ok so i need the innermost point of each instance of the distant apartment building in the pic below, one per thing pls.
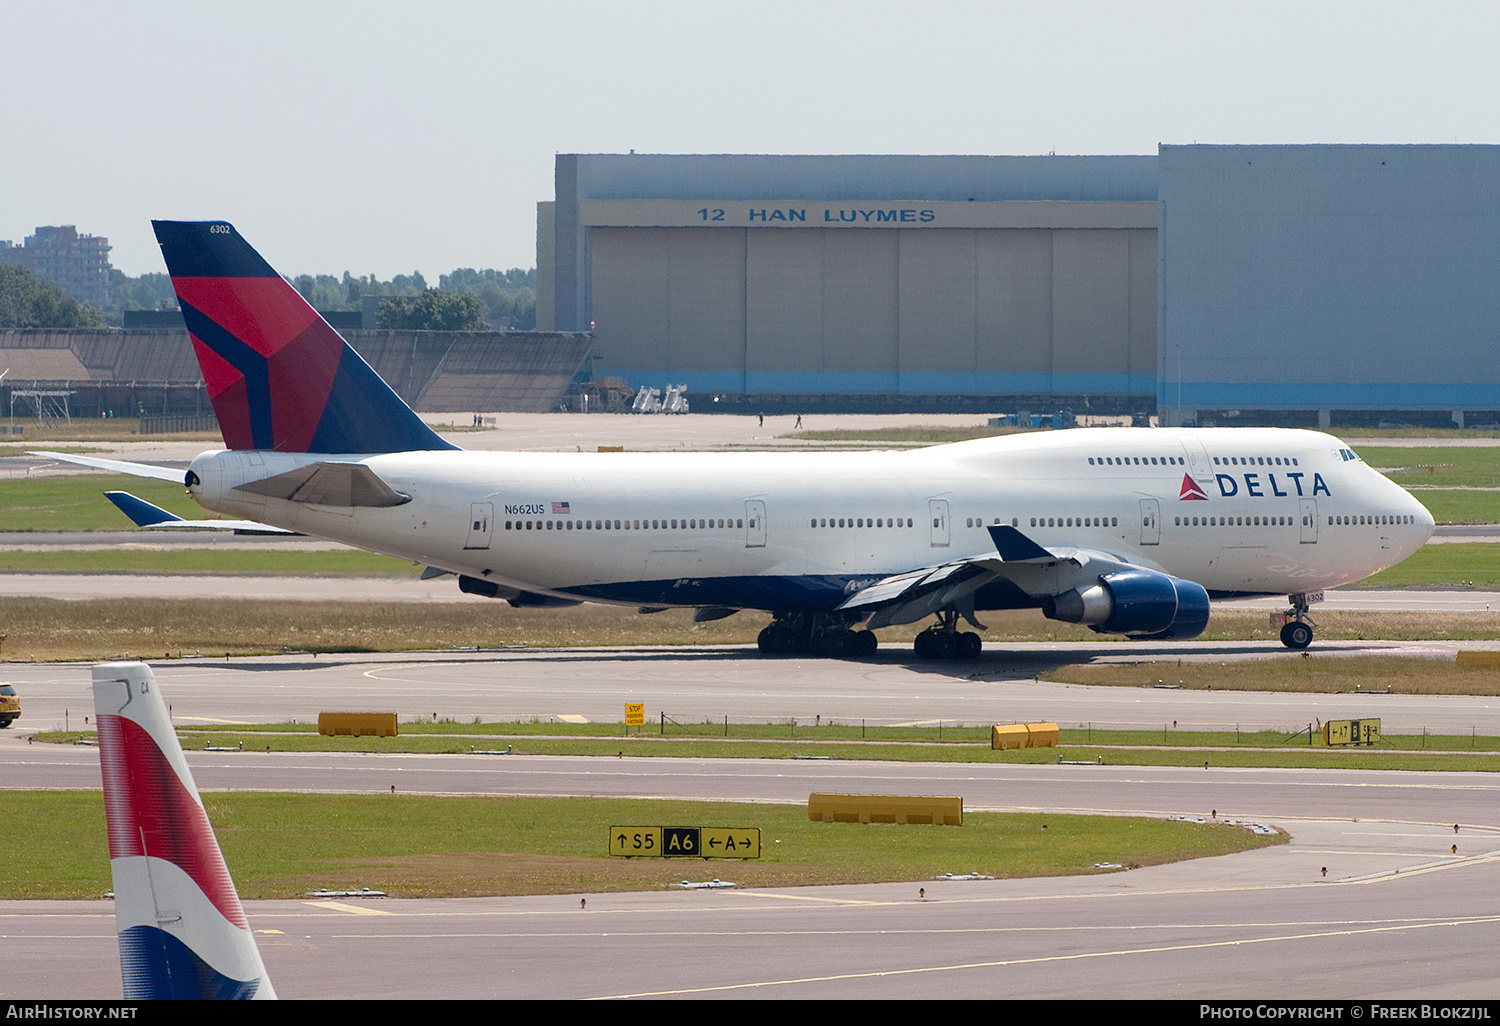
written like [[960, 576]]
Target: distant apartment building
[[77, 264]]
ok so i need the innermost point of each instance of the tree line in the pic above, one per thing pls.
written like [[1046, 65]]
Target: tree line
[[465, 300]]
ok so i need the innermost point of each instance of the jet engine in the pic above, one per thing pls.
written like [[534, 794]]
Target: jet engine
[[515, 596], [1139, 603]]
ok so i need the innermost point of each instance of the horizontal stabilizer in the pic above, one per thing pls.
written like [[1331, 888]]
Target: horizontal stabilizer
[[144, 514], [329, 484], [141, 512], [117, 466]]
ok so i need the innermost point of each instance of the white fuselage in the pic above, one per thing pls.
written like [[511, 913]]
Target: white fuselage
[[1238, 510]]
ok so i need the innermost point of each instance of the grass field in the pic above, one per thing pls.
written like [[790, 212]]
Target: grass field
[[1435, 466], [100, 629], [954, 744], [1460, 506], [282, 845], [1459, 564], [76, 502], [180, 559]]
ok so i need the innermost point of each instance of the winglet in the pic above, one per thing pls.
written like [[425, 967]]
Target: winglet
[[183, 934], [1015, 547], [141, 512]]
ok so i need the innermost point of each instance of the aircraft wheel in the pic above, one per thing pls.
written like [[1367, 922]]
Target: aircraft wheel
[[944, 645], [862, 644], [1296, 634], [832, 644], [775, 640], [969, 645], [923, 645]]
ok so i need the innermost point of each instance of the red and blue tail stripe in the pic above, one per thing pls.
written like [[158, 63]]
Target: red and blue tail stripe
[[183, 933], [279, 376]]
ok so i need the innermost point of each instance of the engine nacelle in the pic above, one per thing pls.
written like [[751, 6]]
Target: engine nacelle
[[1138, 603], [515, 596]]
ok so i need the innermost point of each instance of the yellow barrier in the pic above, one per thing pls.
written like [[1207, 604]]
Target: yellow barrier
[[1479, 659], [359, 724], [1042, 735], [1024, 735], [1003, 739], [885, 808]]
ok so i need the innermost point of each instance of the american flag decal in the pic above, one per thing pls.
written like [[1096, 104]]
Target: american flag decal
[[561, 507]]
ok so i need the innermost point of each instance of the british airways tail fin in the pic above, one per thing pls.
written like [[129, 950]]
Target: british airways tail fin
[[183, 934], [279, 376]]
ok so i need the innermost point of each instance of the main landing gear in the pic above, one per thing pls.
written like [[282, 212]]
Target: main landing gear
[[815, 634], [943, 640], [1298, 631]]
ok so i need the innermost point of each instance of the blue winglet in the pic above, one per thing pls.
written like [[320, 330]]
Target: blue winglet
[[139, 510], [1015, 547]]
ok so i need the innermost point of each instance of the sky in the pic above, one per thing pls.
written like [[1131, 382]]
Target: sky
[[381, 138]]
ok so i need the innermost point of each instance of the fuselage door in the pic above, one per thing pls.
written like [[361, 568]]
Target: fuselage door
[[755, 523], [481, 516], [942, 532], [1150, 522], [1309, 509]]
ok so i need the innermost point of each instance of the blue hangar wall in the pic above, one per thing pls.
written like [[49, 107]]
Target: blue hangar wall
[[1234, 278], [875, 275], [1329, 278]]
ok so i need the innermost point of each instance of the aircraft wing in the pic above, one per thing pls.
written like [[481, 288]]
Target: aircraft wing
[[1038, 571], [145, 514], [118, 466]]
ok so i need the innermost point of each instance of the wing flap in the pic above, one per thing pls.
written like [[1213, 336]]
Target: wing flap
[[911, 595]]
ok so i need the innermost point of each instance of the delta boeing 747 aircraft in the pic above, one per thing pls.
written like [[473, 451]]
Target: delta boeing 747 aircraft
[[1127, 531]]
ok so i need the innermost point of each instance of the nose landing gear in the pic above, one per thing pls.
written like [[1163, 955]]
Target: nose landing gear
[[1298, 631]]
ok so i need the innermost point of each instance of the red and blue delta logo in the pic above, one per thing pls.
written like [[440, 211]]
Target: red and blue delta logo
[[1191, 489]]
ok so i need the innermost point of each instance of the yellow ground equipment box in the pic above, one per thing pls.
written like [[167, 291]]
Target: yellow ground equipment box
[[1024, 735], [885, 808], [359, 724]]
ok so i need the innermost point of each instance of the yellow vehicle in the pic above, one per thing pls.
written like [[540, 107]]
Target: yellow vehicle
[[10, 705]]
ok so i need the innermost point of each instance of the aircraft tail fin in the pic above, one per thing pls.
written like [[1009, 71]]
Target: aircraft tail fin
[[183, 933], [280, 377]]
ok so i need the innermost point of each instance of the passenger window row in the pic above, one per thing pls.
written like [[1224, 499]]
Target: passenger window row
[[1251, 521], [1371, 519], [1075, 521], [689, 524], [1136, 461], [1255, 461], [862, 522]]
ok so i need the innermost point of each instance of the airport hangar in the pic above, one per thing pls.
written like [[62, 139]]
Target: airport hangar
[[1319, 284]]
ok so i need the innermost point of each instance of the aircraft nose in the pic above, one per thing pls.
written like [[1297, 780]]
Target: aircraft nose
[[1422, 520]]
